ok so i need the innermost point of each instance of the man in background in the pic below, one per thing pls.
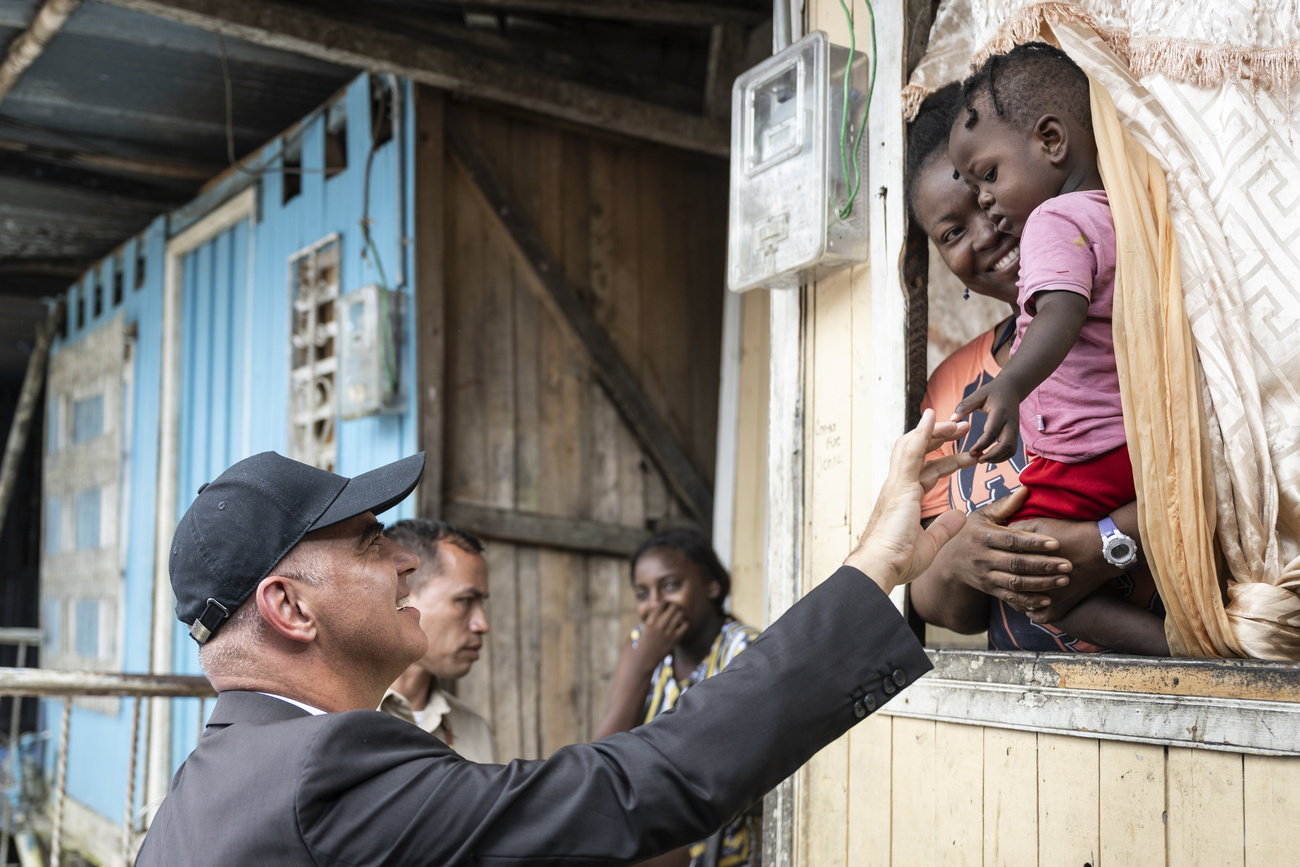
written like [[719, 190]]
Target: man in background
[[449, 589]]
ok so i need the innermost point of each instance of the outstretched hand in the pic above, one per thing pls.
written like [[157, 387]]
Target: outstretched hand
[[1001, 404], [894, 549]]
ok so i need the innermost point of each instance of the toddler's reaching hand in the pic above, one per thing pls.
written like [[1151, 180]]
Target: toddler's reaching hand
[[1001, 404]]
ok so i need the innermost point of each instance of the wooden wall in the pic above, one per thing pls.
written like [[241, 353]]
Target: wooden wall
[[639, 231], [919, 793]]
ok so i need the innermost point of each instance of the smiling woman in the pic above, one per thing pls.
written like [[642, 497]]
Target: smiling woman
[[685, 636], [1014, 582]]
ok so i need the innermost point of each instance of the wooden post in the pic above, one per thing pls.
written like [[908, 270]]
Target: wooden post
[[16, 443], [430, 293]]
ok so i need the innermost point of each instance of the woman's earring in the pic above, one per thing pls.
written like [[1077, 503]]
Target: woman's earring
[[965, 294]]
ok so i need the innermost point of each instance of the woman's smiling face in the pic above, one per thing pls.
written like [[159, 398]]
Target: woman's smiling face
[[985, 260]]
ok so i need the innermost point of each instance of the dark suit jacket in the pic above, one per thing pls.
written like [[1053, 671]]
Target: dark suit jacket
[[270, 784]]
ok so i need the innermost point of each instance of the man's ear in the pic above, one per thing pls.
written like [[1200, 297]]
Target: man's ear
[[283, 603], [1051, 135], [715, 590]]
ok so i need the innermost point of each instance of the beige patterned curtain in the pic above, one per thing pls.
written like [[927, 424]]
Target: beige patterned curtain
[[1194, 118]]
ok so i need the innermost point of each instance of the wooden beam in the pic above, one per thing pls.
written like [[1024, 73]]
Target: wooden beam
[[33, 383], [547, 531], [556, 294], [18, 165], [430, 294], [24, 50], [105, 162], [685, 14], [303, 31]]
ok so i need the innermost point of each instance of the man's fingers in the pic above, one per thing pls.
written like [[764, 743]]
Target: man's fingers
[[945, 526], [946, 431], [933, 471]]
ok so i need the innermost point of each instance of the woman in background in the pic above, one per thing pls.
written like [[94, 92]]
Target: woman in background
[[684, 637]]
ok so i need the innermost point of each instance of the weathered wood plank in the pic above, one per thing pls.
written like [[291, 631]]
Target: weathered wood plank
[[870, 807], [551, 531], [1131, 798], [1272, 790], [530, 652], [466, 461], [560, 296], [1206, 805], [959, 795], [916, 831], [747, 555], [1254, 679], [303, 31], [1010, 690], [1010, 798], [1068, 800], [431, 206], [827, 792], [505, 648]]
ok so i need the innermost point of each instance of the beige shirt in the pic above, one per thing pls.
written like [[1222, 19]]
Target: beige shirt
[[451, 721]]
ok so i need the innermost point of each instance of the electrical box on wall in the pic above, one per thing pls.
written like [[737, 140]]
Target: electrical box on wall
[[370, 329], [791, 217]]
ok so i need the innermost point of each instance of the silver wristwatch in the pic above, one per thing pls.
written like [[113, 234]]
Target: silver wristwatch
[[1119, 549]]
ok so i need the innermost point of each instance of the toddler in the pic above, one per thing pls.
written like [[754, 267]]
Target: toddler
[[1024, 144]]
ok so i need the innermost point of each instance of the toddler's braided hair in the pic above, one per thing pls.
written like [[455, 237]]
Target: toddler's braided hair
[[1027, 82]]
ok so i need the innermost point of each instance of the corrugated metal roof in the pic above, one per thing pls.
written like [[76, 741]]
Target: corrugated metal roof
[[123, 115]]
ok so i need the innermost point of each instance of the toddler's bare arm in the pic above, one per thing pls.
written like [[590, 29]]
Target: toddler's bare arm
[[1047, 341]]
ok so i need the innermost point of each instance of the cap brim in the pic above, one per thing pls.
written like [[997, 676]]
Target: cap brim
[[376, 491]]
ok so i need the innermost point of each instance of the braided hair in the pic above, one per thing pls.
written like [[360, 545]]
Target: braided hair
[[1029, 81], [927, 135]]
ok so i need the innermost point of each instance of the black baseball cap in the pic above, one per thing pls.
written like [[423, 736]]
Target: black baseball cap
[[245, 521]]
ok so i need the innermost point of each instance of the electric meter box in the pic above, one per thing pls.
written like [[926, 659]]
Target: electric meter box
[[788, 180], [370, 352]]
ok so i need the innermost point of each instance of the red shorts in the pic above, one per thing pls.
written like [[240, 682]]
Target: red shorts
[[1085, 491]]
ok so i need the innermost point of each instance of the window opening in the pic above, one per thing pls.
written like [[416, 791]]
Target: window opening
[[381, 110], [81, 307], [87, 418], [313, 367], [53, 518], [291, 176], [336, 138], [50, 628], [87, 629], [97, 294], [52, 429], [139, 271], [119, 278], [88, 519]]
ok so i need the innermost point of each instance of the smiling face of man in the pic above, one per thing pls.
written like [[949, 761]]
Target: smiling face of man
[[364, 619], [452, 587]]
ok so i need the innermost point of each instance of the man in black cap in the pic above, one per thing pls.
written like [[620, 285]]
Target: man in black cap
[[300, 606]]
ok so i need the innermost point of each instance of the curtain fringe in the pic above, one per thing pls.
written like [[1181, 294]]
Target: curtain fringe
[[1196, 63]]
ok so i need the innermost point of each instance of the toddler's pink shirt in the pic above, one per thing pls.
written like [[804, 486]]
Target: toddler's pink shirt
[[1069, 245]]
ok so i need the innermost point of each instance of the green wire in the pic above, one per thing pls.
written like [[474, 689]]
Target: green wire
[[845, 212]]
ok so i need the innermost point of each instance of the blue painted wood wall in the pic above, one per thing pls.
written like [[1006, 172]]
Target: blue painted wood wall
[[227, 410]]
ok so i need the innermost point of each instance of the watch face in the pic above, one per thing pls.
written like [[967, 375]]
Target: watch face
[[1120, 550]]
